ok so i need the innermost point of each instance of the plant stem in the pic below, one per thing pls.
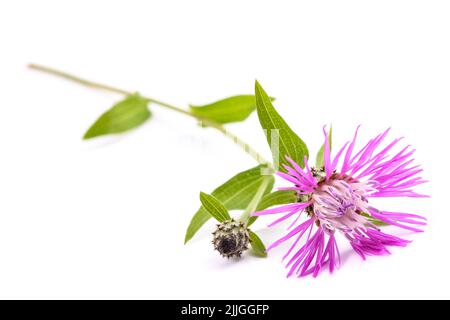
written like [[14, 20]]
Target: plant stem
[[205, 121], [255, 201]]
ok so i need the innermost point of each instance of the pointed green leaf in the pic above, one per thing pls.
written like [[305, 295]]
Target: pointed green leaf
[[272, 199], [246, 215], [214, 207], [123, 116], [232, 109], [319, 157], [235, 194], [278, 132], [258, 246]]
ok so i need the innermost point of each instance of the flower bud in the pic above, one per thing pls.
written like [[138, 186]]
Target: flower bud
[[231, 238]]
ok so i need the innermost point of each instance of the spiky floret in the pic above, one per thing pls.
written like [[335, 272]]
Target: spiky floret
[[336, 199], [231, 238]]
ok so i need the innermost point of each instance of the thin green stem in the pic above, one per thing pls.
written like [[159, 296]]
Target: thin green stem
[[73, 78], [255, 201], [205, 121]]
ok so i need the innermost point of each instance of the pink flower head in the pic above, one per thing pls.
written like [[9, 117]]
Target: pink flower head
[[336, 198]]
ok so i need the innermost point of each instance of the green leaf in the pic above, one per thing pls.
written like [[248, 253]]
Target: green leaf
[[375, 221], [232, 109], [214, 207], [246, 215], [257, 245], [319, 157], [289, 144], [272, 199], [123, 116], [235, 194]]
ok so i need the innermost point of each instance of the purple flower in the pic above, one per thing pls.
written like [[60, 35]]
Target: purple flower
[[337, 199]]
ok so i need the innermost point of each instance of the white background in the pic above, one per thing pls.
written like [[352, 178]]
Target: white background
[[106, 218]]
